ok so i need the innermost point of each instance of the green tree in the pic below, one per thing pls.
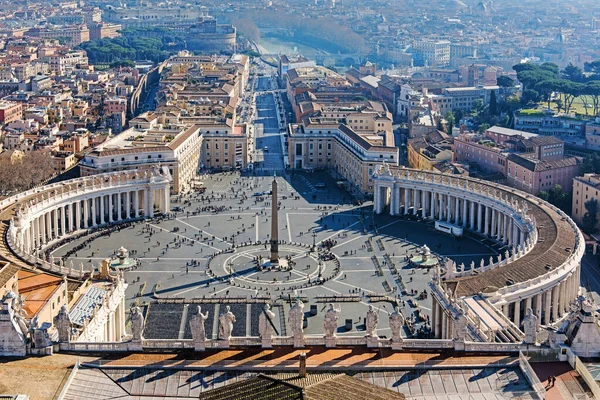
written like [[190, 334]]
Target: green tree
[[590, 218], [478, 106], [449, 117], [572, 73], [530, 96], [458, 115], [505, 81], [483, 128], [493, 103]]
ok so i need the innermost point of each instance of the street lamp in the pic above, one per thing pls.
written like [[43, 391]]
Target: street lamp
[[314, 236]]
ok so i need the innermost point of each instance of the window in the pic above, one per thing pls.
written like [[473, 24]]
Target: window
[[160, 156]]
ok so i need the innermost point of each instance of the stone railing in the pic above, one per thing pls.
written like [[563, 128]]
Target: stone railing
[[287, 341]]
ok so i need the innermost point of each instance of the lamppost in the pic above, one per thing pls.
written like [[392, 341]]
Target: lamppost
[[314, 236]]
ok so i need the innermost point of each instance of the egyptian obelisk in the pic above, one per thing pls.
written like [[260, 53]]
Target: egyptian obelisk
[[274, 225]]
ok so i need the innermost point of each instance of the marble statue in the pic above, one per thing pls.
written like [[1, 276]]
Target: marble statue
[[371, 321], [197, 326], [226, 321], [265, 322], [530, 326], [396, 324], [63, 325], [296, 320], [331, 318], [137, 324], [460, 327]]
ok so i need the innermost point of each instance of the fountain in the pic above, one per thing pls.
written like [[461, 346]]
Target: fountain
[[121, 260], [425, 258]]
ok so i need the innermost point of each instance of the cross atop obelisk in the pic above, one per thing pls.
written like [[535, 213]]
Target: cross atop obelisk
[[274, 224]]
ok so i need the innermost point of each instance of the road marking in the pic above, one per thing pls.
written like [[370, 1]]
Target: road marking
[[182, 236], [256, 225], [201, 230], [289, 229]]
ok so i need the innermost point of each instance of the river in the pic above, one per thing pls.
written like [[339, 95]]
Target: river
[[274, 45]]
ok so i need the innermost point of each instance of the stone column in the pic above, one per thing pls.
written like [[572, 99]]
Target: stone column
[[432, 205], [150, 202], [517, 316], [537, 305], [102, 220], [472, 215], [94, 212], [448, 216], [434, 318], [522, 238], [119, 209], [528, 304], [128, 204], [136, 203], [415, 200], [86, 213], [563, 301], [486, 228], [548, 301], [515, 235], [493, 227], [465, 216], [46, 220], [505, 226], [441, 207], [393, 203], [78, 215], [555, 303], [55, 228], [456, 210], [423, 204], [406, 195], [110, 207], [444, 324], [167, 199], [63, 222], [479, 218]]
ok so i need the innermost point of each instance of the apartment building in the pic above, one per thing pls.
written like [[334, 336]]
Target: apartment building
[[549, 123], [585, 188], [350, 147], [10, 111], [435, 53], [464, 97], [428, 151], [176, 147]]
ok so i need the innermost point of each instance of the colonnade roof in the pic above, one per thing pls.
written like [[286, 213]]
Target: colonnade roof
[[555, 236], [557, 240]]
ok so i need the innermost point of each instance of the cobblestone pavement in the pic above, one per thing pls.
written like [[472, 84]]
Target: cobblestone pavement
[[174, 252]]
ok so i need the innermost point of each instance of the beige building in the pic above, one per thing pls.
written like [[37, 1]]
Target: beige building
[[585, 188], [350, 147], [177, 147]]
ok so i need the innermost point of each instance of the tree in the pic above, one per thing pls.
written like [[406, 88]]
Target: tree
[[593, 67], [505, 81], [478, 105], [572, 73], [529, 96], [458, 116], [493, 103], [483, 128], [590, 218], [449, 117]]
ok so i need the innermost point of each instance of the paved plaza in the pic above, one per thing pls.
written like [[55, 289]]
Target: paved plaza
[[174, 252]]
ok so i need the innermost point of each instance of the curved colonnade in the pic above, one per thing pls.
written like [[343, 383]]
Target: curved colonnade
[[539, 268], [48, 214]]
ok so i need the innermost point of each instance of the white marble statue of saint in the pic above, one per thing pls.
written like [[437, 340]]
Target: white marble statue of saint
[[296, 319], [331, 318], [265, 322], [63, 325], [137, 324], [197, 325], [396, 324], [226, 321], [530, 326], [371, 321]]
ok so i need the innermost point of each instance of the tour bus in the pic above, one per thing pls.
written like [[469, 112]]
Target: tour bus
[[450, 229]]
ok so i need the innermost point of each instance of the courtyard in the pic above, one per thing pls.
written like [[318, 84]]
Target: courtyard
[[187, 255]]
